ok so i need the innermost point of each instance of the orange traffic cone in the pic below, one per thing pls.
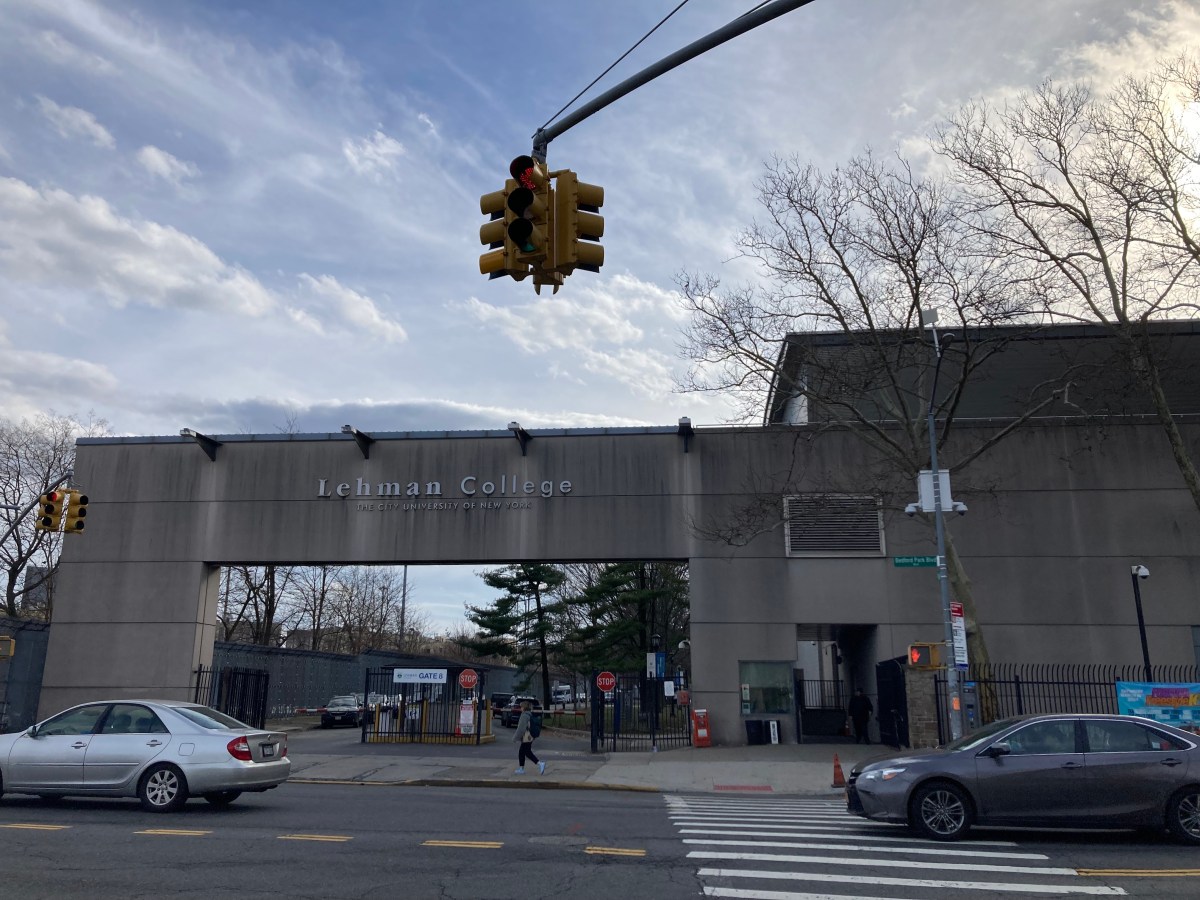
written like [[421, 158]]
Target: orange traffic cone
[[839, 780]]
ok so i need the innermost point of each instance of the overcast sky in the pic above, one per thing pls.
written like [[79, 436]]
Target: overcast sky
[[259, 216]]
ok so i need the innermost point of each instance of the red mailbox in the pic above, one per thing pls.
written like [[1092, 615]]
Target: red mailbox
[[701, 736]]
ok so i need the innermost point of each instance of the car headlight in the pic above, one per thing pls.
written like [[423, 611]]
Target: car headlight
[[882, 774]]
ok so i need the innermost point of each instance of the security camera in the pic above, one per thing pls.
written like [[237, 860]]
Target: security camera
[[960, 507], [911, 510], [685, 645], [1140, 571]]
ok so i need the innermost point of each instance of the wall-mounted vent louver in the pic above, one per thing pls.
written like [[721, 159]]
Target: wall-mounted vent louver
[[833, 525]]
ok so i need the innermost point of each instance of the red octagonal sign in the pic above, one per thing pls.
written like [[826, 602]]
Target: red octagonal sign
[[606, 681], [467, 679]]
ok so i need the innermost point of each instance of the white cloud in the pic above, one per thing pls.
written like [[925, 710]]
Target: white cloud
[[56, 48], [71, 121], [347, 309], [52, 237], [162, 164], [374, 156]]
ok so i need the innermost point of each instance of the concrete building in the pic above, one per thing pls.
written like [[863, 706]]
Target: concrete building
[[790, 531]]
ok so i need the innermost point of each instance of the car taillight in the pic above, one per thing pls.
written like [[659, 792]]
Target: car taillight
[[239, 748], [283, 746]]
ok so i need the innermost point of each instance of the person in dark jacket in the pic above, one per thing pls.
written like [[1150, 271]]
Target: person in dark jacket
[[860, 710], [523, 735]]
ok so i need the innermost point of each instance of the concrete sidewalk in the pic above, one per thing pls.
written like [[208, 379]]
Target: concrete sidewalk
[[770, 769]]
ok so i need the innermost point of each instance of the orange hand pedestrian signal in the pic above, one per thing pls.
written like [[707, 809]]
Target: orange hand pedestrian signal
[[924, 656]]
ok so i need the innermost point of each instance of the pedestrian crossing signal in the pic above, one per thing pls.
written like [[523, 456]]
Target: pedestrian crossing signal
[[924, 656]]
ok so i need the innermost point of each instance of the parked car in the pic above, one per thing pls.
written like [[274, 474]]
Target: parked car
[[499, 700], [344, 710], [562, 693], [1088, 771], [160, 751], [512, 712]]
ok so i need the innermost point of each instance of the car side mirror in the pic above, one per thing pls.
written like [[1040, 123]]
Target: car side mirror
[[1000, 748], [32, 731]]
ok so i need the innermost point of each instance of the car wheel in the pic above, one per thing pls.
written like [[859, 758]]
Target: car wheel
[[941, 811], [222, 798], [1183, 815], [162, 789]]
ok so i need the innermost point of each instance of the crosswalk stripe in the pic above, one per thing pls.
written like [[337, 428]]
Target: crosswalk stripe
[[749, 894], [887, 863], [868, 848], [852, 836], [858, 878]]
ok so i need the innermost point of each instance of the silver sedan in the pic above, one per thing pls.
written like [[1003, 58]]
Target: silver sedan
[[160, 751], [1061, 770]]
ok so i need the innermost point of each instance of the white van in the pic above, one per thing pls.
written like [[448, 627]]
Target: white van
[[561, 693]]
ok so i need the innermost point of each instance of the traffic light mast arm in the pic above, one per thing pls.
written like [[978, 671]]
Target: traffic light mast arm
[[20, 517], [740, 25]]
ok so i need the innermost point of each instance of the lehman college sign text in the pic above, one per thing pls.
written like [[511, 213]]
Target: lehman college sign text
[[507, 492]]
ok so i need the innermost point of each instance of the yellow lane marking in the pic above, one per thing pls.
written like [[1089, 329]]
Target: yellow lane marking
[[614, 851], [37, 827], [1142, 873], [484, 845], [176, 831], [331, 838]]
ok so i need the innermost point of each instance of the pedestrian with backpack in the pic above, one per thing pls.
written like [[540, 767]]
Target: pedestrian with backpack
[[528, 728]]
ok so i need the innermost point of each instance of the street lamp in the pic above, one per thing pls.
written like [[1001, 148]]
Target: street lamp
[[1136, 574], [930, 318]]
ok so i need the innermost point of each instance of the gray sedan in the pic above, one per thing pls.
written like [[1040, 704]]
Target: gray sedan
[[160, 751], [1092, 771]]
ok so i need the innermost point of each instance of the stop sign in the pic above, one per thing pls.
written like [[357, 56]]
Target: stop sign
[[467, 679], [606, 681]]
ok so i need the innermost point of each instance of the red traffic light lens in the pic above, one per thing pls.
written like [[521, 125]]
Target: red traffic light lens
[[522, 170]]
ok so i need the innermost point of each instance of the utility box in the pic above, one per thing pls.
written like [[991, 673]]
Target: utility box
[[8, 647], [701, 736]]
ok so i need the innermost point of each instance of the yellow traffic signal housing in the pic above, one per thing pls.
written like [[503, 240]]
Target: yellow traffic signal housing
[[501, 258], [925, 656], [578, 224], [49, 511], [531, 203], [76, 512]]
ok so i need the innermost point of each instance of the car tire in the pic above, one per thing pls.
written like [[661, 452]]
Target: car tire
[[162, 789], [222, 798], [1183, 815], [941, 810]]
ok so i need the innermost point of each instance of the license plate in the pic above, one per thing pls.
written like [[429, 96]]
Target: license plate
[[267, 750]]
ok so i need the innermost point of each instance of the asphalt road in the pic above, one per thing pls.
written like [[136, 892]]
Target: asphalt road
[[333, 841]]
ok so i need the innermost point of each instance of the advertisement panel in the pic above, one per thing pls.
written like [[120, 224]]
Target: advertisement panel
[[1171, 704]]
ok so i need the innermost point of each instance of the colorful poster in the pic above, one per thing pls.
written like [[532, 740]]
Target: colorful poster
[[1171, 704]]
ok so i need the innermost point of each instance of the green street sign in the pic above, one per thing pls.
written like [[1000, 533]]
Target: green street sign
[[914, 562]]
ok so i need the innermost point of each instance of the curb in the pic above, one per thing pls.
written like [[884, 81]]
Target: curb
[[484, 783]]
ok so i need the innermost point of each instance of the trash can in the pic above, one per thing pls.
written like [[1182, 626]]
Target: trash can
[[755, 733]]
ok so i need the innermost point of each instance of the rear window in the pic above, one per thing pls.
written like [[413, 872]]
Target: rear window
[[209, 718]]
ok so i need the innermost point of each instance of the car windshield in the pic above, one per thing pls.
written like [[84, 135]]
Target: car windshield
[[343, 701], [209, 718], [982, 736]]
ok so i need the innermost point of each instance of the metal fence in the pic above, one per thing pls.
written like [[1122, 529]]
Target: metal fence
[[635, 715], [21, 676], [235, 691], [1001, 690]]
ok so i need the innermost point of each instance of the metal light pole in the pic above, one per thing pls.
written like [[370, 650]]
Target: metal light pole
[[939, 526], [1136, 573]]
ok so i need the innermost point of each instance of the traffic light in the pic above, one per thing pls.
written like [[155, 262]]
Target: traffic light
[[50, 510], [501, 258], [578, 224], [531, 203], [925, 656], [76, 512]]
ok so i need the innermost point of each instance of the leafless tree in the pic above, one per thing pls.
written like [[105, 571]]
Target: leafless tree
[[311, 589], [859, 253], [35, 454], [254, 606], [1096, 200]]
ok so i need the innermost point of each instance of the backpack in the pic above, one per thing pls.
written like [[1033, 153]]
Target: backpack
[[535, 725]]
